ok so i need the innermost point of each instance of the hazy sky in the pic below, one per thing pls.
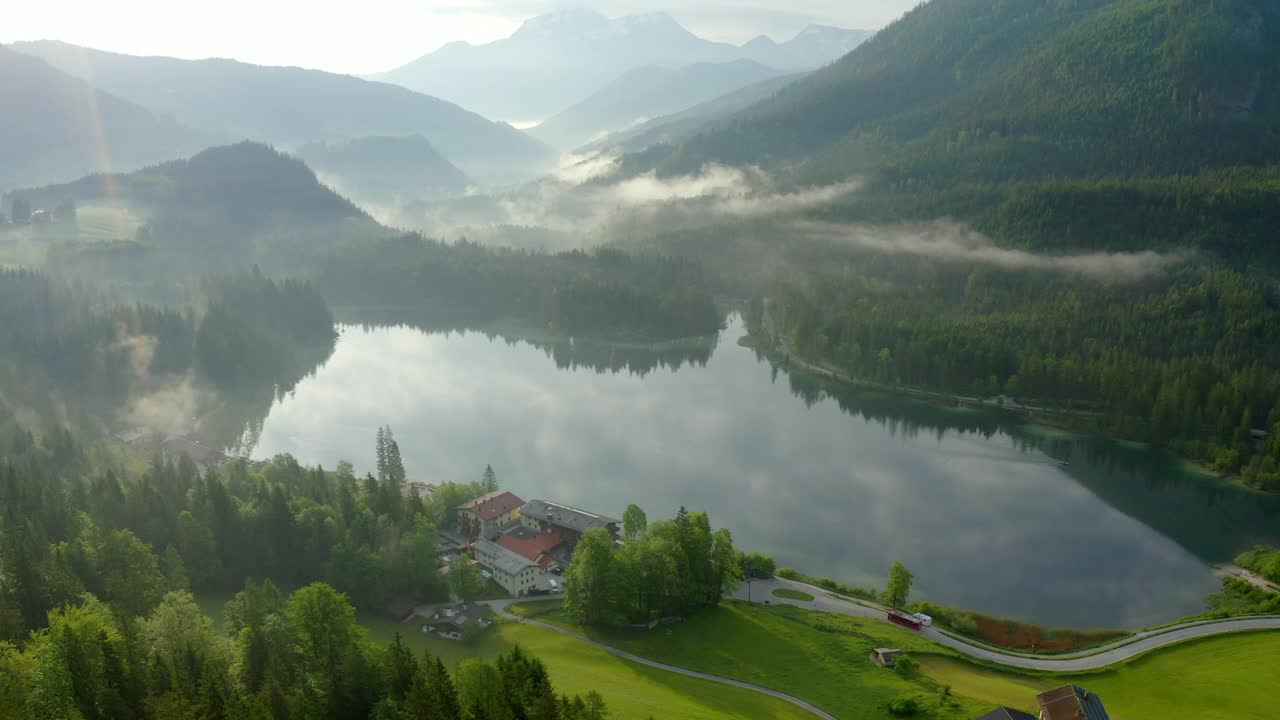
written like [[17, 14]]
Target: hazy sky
[[373, 35]]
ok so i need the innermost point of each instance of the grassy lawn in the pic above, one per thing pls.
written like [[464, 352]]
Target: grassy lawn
[[792, 594], [820, 657], [1221, 678], [632, 691]]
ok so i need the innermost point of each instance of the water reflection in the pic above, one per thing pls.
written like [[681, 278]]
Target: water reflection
[[827, 479]]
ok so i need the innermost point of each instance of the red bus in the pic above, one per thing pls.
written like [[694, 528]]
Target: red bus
[[903, 619]]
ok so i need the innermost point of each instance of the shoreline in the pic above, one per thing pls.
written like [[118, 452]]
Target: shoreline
[[1031, 416]]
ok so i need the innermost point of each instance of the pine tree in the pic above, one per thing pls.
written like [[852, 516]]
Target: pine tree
[[489, 480]]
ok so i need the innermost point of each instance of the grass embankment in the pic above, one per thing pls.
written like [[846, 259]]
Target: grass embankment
[[632, 691], [819, 657], [822, 658], [793, 594], [1218, 678]]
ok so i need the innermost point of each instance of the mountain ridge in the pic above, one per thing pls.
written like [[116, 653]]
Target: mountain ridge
[[581, 51], [647, 92], [291, 106], [47, 135]]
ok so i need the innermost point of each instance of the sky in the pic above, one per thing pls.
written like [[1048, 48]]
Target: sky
[[375, 35]]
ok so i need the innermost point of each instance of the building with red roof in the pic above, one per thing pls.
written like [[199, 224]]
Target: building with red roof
[[487, 514], [534, 546]]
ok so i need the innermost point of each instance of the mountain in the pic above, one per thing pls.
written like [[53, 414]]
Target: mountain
[[291, 106], [553, 61], [970, 90], [381, 169], [645, 93], [679, 126], [56, 127], [225, 207]]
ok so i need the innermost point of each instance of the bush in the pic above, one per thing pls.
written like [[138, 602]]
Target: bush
[[905, 706], [906, 667]]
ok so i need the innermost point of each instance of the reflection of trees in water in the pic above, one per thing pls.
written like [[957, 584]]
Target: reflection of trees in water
[[602, 356], [236, 415], [1212, 519]]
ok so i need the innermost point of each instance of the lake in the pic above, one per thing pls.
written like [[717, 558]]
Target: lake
[[988, 513]]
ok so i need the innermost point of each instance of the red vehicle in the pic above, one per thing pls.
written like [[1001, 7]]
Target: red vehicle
[[905, 620]]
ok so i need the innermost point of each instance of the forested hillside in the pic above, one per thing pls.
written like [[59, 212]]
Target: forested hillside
[[57, 127], [1186, 360], [223, 209], [383, 169], [602, 293], [971, 90]]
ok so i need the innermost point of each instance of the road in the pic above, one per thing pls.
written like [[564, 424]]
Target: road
[[761, 591], [1100, 657], [500, 607]]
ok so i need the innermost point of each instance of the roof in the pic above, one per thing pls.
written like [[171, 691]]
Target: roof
[[492, 505], [565, 516], [530, 545], [456, 615], [1004, 713], [1071, 702], [503, 559]]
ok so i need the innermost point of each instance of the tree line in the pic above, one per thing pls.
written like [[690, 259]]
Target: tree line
[[602, 292], [281, 657], [666, 568]]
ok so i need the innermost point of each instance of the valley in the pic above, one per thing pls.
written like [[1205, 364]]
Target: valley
[[779, 360]]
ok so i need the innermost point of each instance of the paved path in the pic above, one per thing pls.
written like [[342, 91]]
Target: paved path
[[500, 607], [761, 591], [1102, 656]]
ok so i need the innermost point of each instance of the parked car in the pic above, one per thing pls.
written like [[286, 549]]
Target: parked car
[[555, 584], [557, 570]]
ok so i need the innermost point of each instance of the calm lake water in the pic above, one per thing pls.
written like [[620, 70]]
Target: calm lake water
[[988, 514]]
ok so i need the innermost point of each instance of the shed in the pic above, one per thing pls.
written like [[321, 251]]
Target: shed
[[886, 657]]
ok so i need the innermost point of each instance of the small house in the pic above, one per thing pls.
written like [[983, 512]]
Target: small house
[[452, 622], [886, 657], [1071, 702]]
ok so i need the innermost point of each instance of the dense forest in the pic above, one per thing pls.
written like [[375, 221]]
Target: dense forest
[[603, 292], [1185, 359], [97, 618]]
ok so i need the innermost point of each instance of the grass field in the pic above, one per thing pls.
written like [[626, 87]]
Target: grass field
[[822, 658], [1220, 678], [632, 691], [28, 244], [792, 594]]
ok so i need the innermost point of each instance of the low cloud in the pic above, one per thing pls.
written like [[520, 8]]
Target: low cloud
[[172, 407], [949, 241], [578, 205]]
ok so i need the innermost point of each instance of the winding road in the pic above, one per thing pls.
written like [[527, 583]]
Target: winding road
[[761, 591], [1092, 659]]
